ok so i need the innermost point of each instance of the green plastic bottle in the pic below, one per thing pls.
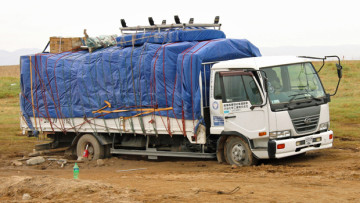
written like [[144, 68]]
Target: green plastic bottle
[[76, 171]]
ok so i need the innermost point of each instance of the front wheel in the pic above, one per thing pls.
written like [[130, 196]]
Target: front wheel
[[238, 152], [95, 149]]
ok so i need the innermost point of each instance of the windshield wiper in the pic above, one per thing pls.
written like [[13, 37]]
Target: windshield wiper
[[289, 106], [312, 96], [303, 93], [295, 95]]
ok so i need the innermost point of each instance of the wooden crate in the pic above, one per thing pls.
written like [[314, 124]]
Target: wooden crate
[[61, 44]]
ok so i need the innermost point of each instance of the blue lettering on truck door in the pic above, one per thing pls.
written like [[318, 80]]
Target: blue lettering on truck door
[[218, 120]]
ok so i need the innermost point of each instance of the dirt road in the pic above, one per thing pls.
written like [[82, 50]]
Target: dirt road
[[331, 175]]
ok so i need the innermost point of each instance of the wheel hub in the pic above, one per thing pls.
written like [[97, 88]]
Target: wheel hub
[[91, 151], [238, 152]]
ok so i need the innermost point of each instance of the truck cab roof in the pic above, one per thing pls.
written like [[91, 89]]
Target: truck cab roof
[[259, 62]]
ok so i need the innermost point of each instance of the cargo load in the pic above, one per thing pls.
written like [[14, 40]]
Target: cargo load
[[144, 74]]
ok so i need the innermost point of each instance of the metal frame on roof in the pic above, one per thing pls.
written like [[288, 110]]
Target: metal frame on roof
[[161, 27]]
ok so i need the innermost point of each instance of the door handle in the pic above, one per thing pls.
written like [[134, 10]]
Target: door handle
[[226, 117]]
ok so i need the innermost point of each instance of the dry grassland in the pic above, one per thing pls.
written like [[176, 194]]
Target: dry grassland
[[10, 71]]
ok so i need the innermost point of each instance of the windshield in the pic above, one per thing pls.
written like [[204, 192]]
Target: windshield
[[293, 82]]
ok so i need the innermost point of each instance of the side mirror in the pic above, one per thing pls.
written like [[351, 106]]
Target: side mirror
[[339, 70]]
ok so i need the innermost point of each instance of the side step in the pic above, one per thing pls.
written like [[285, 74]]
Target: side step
[[164, 153]]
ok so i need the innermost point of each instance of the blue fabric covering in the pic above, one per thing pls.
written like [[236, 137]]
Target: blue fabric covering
[[70, 85]]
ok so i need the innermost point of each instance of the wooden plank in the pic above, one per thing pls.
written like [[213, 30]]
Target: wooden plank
[[60, 44]]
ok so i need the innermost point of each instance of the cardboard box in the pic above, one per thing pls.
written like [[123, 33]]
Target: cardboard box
[[61, 44]]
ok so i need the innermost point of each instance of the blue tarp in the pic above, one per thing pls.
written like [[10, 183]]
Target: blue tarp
[[74, 84]]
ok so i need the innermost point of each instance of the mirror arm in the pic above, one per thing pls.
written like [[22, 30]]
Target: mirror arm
[[338, 66], [336, 88]]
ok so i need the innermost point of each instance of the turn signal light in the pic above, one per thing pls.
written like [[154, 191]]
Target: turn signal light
[[330, 136], [262, 133], [280, 146]]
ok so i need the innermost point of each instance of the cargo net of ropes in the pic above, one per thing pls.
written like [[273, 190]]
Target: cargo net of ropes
[[151, 71]]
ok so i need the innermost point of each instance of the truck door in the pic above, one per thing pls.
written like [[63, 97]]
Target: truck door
[[239, 92]]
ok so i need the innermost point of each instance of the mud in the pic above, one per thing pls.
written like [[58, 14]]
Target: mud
[[331, 175]]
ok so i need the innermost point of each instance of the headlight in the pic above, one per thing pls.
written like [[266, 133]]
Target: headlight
[[280, 134], [324, 126]]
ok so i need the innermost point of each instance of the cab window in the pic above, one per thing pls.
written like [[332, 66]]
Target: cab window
[[237, 88]]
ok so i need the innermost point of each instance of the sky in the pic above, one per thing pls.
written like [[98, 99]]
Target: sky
[[271, 23]]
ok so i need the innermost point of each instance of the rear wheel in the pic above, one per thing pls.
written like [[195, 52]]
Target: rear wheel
[[238, 152], [96, 150], [107, 153]]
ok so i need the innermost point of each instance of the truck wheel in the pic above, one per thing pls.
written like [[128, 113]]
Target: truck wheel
[[107, 151], [96, 150], [238, 152]]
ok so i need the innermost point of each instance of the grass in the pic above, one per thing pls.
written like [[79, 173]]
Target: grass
[[9, 87], [344, 107], [11, 138]]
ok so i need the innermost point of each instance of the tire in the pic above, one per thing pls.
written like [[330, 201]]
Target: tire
[[96, 150], [107, 151], [238, 152]]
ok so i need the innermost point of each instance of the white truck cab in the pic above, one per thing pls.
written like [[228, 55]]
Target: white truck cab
[[268, 107]]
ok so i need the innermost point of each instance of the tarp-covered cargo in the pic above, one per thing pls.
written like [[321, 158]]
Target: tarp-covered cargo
[[143, 72]]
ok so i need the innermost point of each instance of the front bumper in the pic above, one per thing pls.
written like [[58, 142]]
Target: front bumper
[[305, 144]]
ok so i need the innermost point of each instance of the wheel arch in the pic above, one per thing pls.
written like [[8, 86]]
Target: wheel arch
[[102, 139]]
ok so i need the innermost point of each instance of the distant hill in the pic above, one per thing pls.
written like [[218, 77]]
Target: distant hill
[[13, 58], [349, 52]]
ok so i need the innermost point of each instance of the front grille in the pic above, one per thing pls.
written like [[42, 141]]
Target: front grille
[[302, 126]]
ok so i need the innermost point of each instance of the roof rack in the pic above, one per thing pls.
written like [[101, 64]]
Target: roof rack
[[160, 27]]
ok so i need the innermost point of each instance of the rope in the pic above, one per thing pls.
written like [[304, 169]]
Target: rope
[[139, 108], [43, 91], [38, 111], [126, 73], [87, 93], [31, 88], [113, 88], [167, 113], [99, 99], [70, 93], [36, 91], [108, 105], [182, 70]]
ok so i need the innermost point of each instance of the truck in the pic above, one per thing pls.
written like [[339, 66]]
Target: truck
[[177, 90]]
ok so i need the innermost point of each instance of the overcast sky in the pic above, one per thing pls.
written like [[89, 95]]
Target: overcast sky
[[267, 23]]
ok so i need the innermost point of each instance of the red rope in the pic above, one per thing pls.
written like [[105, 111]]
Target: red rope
[[57, 92], [182, 70], [51, 92], [38, 110], [36, 92], [154, 81], [192, 100], [166, 103], [43, 92]]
